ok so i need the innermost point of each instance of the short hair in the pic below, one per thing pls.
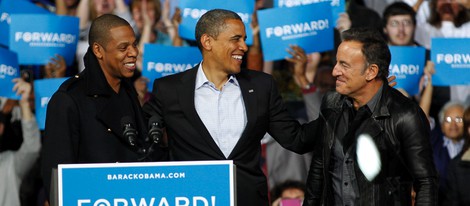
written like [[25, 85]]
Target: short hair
[[446, 107], [212, 23], [398, 8], [278, 189], [374, 48], [100, 27]]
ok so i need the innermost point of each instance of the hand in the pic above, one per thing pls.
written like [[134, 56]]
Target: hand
[[166, 14], [299, 59], [254, 23], [140, 86], [391, 81], [149, 22], [55, 68], [426, 79], [343, 23], [22, 89], [176, 18]]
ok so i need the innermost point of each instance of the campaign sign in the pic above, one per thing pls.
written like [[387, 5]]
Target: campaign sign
[[43, 91], [8, 7], [408, 66], [314, 33], [451, 57], [9, 70], [201, 183], [36, 44], [337, 6], [192, 10], [160, 61]]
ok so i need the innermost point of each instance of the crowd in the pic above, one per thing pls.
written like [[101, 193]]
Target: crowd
[[109, 70]]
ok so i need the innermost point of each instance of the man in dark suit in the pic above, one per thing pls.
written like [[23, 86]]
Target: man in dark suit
[[86, 117], [218, 111]]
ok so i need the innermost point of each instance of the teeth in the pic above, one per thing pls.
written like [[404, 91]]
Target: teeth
[[237, 57], [130, 64]]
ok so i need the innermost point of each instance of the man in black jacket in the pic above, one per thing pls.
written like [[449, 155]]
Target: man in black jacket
[[364, 104], [95, 117]]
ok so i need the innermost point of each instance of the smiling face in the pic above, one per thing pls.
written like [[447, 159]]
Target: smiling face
[[118, 58], [351, 69], [451, 128], [400, 30], [226, 51]]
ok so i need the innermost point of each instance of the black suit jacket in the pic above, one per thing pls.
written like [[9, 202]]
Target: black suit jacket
[[189, 139]]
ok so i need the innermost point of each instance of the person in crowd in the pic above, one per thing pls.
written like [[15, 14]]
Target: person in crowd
[[219, 111], [447, 19], [66, 7], [458, 172], [399, 27], [93, 117], [14, 165], [448, 143], [365, 104], [288, 190]]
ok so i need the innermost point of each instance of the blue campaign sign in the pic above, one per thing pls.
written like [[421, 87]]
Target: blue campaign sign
[[8, 7], [9, 70], [192, 10], [202, 183], [408, 66], [160, 61], [36, 44], [452, 61], [43, 91], [314, 33], [337, 6]]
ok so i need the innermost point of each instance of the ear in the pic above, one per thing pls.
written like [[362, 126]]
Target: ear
[[372, 72], [97, 50], [206, 41]]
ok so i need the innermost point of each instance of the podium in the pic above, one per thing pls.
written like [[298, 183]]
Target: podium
[[185, 183]]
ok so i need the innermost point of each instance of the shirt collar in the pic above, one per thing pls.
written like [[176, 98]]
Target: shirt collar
[[447, 142], [372, 102], [201, 78]]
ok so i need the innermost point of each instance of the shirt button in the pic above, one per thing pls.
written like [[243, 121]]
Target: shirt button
[[109, 129], [346, 183]]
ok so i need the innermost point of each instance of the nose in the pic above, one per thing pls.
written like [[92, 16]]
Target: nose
[[336, 71], [243, 47], [133, 51]]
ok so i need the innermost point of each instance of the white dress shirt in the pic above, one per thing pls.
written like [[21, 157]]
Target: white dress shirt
[[222, 111]]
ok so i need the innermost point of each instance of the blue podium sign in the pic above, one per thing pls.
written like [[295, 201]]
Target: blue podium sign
[[451, 57], [408, 66], [201, 183], [43, 91]]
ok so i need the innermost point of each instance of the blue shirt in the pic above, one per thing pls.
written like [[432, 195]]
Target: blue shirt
[[222, 111]]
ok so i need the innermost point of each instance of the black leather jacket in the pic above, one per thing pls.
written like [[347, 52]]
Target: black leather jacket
[[401, 131]]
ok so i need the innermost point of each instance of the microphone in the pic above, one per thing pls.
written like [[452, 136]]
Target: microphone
[[129, 133], [155, 131]]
